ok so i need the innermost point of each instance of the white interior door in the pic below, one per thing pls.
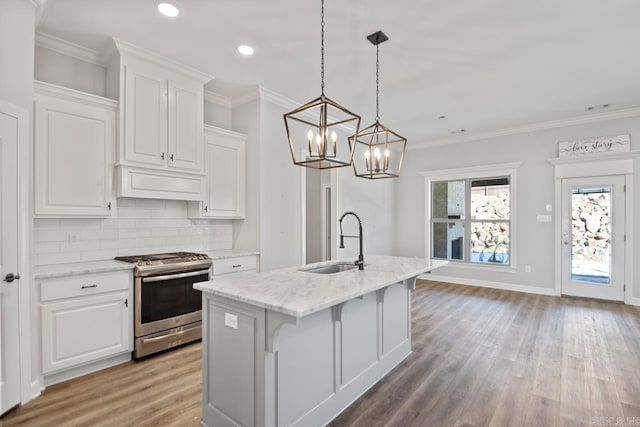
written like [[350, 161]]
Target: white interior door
[[593, 234], [9, 332]]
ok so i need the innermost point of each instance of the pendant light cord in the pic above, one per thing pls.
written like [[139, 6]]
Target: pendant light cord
[[322, 48], [377, 82]]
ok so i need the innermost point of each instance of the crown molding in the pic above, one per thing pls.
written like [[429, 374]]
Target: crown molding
[[60, 92], [262, 93], [534, 127], [128, 49], [268, 95], [64, 47], [222, 131], [217, 99]]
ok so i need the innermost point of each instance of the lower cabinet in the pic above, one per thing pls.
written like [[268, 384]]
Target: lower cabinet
[[235, 266], [85, 319]]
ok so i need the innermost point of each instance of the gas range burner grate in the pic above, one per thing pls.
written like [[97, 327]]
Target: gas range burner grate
[[166, 258]]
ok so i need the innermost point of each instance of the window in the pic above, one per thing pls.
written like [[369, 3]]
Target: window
[[470, 220]]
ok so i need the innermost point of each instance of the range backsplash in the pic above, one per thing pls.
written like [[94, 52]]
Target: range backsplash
[[141, 226]]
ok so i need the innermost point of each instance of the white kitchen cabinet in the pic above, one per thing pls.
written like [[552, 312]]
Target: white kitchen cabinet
[[160, 146], [225, 161], [85, 319], [75, 139], [162, 117], [162, 109]]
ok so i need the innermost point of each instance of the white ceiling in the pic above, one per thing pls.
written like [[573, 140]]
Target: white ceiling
[[485, 64]]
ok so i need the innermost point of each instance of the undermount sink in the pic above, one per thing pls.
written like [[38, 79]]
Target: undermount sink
[[330, 269]]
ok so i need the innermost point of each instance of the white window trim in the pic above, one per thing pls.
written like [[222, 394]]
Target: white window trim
[[500, 169]]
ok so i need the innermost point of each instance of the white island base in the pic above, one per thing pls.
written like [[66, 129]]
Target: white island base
[[262, 367]]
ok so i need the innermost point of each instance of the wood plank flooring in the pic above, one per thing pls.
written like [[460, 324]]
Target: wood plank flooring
[[481, 357]]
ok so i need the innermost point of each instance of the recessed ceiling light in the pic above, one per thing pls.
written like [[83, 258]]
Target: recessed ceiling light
[[597, 107], [245, 49], [168, 8]]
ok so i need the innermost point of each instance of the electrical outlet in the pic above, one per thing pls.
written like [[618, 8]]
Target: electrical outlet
[[544, 218], [231, 320], [73, 237], [527, 269]]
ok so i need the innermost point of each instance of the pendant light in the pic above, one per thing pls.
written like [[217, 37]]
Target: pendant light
[[312, 129], [377, 150]]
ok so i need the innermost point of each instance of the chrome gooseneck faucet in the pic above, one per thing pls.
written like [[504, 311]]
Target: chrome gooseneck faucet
[[360, 261]]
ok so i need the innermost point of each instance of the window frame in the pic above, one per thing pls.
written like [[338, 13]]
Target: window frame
[[508, 170]]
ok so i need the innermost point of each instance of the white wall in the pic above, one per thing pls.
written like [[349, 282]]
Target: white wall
[[534, 244], [280, 193], [63, 70], [374, 202], [218, 115], [313, 215], [142, 226], [246, 233], [17, 23]]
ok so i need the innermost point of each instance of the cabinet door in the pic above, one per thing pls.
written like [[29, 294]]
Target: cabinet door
[[186, 116], [145, 115], [225, 165], [84, 329], [74, 155]]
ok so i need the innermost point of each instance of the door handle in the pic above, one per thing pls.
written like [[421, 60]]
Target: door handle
[[10, 277]]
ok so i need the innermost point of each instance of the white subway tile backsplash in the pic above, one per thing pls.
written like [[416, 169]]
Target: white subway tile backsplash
[[58, 258], [141, 226]]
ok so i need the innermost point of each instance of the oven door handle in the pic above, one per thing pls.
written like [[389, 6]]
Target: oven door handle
[[173, 276]]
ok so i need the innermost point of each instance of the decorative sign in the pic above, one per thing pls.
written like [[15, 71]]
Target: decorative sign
[[601, 144]]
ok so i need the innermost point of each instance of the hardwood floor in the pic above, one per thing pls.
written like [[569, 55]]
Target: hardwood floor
[[481, 357]]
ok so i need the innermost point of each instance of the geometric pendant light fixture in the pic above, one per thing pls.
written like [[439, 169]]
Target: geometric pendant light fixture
[[313, 128], [378, 151]]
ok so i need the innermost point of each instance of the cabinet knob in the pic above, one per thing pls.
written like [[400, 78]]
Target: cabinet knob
[[171, 157], [206, 208], [162, 156], [109, 205]]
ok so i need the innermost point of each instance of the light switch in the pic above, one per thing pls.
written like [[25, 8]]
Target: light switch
[[544, 218], [231, 320]]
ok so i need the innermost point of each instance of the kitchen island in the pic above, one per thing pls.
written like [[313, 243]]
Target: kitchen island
[[295, 347]]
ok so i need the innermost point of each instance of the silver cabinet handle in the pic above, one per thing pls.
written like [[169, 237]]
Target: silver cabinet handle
[[88, 286], [237, 265], [162, 156], [171, 157]]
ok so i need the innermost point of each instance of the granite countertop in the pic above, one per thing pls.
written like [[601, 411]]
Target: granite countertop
[[300, 293], [77, 268]]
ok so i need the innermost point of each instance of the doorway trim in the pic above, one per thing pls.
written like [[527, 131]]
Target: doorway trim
[[30, 381], [333, 186], [593, 166]]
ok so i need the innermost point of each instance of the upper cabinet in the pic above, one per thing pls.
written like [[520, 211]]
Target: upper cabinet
[[75, 135], [162, 116], [225, 167], [160, 149]]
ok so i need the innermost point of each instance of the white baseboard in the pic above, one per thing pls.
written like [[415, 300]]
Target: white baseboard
[[489, 284], [635, 301], [71, 373]]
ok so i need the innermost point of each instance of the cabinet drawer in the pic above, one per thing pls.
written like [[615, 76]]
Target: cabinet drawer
[[86, 284], [234, 265]]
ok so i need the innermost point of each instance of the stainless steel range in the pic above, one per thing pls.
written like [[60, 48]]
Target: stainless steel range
[[167, 310]]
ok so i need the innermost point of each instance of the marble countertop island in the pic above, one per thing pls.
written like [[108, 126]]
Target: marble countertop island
[[290, 347], [299, 293]]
